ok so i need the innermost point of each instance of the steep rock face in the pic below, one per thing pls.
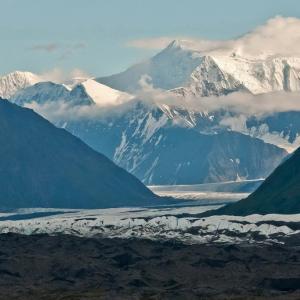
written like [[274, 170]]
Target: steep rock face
[[43, 166], [279, 194], [162, 145], [209, 79], [263, 76], [281, 129], [183, 156], [16, 81]]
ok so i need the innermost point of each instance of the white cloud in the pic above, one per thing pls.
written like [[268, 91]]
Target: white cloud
[[50, 47], [239, 105], [253, 105], [63, 50], [243, 103], [235, 123], [279, 36], [58, 111], [58, 75]]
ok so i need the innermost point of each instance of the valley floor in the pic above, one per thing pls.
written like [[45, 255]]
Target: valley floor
[[161, 252], [69, 267]]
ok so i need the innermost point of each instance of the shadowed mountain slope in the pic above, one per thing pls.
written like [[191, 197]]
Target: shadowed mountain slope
[[43, 166]]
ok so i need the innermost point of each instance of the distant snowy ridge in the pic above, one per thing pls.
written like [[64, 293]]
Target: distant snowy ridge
[[149, 139], [190, 71], [219, 75], [84, 92], [15, 81], [103, 95]]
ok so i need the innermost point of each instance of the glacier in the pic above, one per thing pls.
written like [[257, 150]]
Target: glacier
[[170, 223]]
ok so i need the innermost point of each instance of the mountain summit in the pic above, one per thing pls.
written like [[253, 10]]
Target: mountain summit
[[15, 81], [212, 71]]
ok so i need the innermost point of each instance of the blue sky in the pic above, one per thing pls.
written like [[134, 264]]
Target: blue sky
[[94, 35]]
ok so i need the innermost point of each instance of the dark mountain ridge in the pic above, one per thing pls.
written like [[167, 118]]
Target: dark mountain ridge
[[44, 166], [279, 193]]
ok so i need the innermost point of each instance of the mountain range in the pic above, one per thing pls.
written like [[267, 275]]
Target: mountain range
[[149, 143], [189, 70], [115, 115]]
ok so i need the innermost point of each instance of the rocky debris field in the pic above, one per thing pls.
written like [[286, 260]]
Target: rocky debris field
[[71, 267]]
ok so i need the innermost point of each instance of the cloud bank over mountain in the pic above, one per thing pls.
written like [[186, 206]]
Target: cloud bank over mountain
[[59, 75], [278, 36], [239, 103]]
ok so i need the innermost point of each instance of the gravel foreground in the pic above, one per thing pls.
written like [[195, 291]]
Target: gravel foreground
[[68, 267]]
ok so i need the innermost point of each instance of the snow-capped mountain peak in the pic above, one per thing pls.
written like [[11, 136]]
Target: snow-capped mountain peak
[[168, 69], [15, 81], [203, 68], [176, 44], [221, 74], [85, 92], [103, 95], [41, 93]]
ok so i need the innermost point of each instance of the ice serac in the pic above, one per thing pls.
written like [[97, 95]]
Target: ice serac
[[15, 81], [44, 166]]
